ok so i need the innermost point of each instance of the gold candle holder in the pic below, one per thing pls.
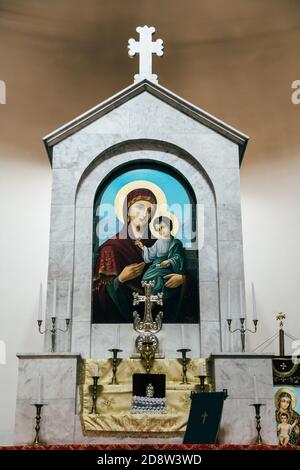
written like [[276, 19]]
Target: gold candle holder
[[184, 360], [94, 394], [115, 363], [53, 330], [257, 419], [242, 330], [38, 418]]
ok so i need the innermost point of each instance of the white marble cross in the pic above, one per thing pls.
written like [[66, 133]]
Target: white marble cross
[[145, 48]]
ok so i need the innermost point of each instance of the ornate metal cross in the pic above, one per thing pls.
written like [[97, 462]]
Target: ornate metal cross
[[280, 317], [147, 328], [145, 48], [148, 298]]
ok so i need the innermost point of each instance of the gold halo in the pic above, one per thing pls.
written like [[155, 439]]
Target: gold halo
[[290, 392], [162, 211], [125, 190]]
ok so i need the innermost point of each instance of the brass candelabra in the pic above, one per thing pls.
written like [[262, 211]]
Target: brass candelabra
[[53, 330], [242, 330]]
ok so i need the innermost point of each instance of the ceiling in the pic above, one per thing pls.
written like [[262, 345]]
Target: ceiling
[[235, 59]]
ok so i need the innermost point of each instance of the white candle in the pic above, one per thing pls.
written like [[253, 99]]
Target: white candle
[[54, 300], [254, 303], [40, 310], [39, 390], [255, 389], [202, 369], [228, 301], [241, 301], [96, 370], [118, 337], [68, 314], [182, 336]]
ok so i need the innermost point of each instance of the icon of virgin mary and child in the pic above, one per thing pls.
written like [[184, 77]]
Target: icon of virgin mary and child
[[133, 255]]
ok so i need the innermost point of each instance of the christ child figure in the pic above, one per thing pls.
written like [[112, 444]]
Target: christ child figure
[[284, 429], [165, 257]]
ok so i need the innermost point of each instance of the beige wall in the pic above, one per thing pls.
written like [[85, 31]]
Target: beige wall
[[237, 63]]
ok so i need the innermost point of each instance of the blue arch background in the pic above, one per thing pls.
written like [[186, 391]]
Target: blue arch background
[[173, 189]]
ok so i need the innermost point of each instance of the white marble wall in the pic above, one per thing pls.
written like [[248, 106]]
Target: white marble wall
[[60, 377], [104, 338], [235, 373], [145, 128]]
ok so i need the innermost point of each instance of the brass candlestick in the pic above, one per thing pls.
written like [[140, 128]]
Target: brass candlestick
[[53, 330], [242, 330], [115, 363], [184, 359], [257, 418], [94, 394], [38, 408], [202, 384]]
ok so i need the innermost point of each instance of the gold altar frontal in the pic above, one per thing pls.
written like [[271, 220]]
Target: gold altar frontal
[[114, 401]]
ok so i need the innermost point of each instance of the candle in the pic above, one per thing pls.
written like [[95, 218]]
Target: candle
[[54, 300], [182, 336], [241, 301], [68, 315], [228, 301], [254, 303], [40, 310], [255, 389], [118, 337], [96, 370], [202, 369], [39, 390]]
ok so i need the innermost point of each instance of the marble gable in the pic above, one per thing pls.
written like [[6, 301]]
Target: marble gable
[[144, 123]]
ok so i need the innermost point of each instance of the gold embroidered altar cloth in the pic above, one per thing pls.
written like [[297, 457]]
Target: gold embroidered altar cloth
[[114, 401]]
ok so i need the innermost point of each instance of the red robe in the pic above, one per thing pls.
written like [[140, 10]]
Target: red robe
[[114, 255]]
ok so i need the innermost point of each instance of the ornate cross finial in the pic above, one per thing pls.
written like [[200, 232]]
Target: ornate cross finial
[[145, 48], [280, 317]]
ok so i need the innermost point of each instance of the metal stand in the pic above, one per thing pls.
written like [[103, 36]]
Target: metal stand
[[257, 418], [94, 394], [38, 407], [53, 330], [202, 384], [115, 362], [280, 317], [242, 330], [184, 359]]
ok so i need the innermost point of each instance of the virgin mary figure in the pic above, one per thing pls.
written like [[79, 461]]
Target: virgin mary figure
[[120, 266], [285, 400]]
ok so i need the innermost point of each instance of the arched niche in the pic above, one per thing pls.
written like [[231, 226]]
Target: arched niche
[[99, 338]]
